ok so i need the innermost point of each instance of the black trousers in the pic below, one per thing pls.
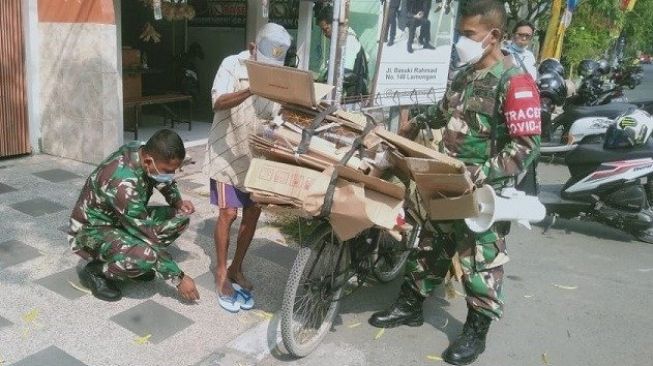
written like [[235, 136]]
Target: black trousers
[[424, 31], [391, 25]]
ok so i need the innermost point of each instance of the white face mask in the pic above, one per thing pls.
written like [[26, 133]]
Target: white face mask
[[470, 51]]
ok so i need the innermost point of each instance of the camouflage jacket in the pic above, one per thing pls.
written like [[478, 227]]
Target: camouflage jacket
[[468, 112], [116, 194]]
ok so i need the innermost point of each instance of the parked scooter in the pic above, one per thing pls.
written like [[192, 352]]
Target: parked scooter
[[611, 183], [577, 124]]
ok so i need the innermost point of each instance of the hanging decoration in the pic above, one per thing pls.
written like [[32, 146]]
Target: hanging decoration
[[171, 10], [150, 34]]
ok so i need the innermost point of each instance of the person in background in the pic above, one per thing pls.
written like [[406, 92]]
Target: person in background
[[189, 72], [355, 80], [522, 35], [228, 156], [113, 227]]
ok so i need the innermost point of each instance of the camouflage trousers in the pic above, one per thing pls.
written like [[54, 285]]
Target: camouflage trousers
[[126, 255], [481, 257]]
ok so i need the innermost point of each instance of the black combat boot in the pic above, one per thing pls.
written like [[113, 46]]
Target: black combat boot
[[471, 343], [407, 310], [103, 288]]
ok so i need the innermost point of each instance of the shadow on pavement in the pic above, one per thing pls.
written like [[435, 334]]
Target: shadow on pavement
[[589, 228]]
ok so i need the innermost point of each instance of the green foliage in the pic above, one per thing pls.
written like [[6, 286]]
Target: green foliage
[[638, 28], [593, 29]]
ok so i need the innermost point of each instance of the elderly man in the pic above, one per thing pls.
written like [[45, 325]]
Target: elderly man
[[228, 156]]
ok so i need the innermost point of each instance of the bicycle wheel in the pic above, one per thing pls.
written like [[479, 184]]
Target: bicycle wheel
[[312, 296], [391, 255]]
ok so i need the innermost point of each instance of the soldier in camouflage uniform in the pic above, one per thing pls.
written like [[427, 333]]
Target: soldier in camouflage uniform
[[113, 227], [490, 93]]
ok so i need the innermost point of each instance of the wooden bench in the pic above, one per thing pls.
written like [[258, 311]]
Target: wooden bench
[[162, 100]]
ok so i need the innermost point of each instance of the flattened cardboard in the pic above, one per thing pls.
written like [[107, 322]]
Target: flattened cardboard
[[281, 179], [453, 208], [354, 208], [372, 183], [285, 85], [412, 149]]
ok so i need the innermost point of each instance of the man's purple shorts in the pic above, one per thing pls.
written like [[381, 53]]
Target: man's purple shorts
[[225, 195]]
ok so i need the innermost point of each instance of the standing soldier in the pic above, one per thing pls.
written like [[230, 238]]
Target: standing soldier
[[492, 123], [113, 227]]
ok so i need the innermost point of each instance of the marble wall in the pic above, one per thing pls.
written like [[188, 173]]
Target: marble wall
[[80, 87]]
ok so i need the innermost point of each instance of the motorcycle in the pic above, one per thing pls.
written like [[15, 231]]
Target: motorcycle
[[611, 183], [577, 124], [581, 125], [627, 75], [594, 91]]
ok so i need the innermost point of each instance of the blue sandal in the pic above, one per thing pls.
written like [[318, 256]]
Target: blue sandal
[[230, 303], [245, 297]]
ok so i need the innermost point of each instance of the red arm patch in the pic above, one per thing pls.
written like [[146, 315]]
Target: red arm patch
[[522, 107]]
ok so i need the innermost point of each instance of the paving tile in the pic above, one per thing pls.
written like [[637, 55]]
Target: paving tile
[[60, 283], [4, 322], [51, 356], [38, 207], [13, 252], [5, 188], [190, 185], [206, 280], [152, 318], [207, 227], [64, 228], [276, 253], [56, 175]]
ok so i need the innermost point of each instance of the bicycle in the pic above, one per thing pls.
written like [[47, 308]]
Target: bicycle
[[325, 266]]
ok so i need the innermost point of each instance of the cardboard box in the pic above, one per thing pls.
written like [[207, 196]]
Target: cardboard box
[[354, 207], [131, 58], [285, 85], [453, 208], [444, 185], [132, 86]]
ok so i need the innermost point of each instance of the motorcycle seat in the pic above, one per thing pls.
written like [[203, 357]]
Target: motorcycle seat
[[595, 154], [610, 110]]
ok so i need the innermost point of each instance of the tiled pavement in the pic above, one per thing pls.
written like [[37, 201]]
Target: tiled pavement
[[47, 318]]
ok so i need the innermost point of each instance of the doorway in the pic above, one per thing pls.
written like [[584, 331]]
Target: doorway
[[14, 132]]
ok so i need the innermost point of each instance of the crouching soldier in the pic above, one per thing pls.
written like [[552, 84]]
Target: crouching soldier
[[121, 236]]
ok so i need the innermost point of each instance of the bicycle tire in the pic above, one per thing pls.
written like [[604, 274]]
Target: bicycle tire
[[290, 334], [402, 248]]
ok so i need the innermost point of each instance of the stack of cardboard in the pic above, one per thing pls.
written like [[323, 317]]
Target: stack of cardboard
[[296, 169]]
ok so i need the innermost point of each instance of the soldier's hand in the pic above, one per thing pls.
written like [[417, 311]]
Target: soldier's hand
[[187, 289], [186, 207]]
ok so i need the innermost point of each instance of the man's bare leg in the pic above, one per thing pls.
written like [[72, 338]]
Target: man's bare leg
[[248, 224], [226, 217]]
